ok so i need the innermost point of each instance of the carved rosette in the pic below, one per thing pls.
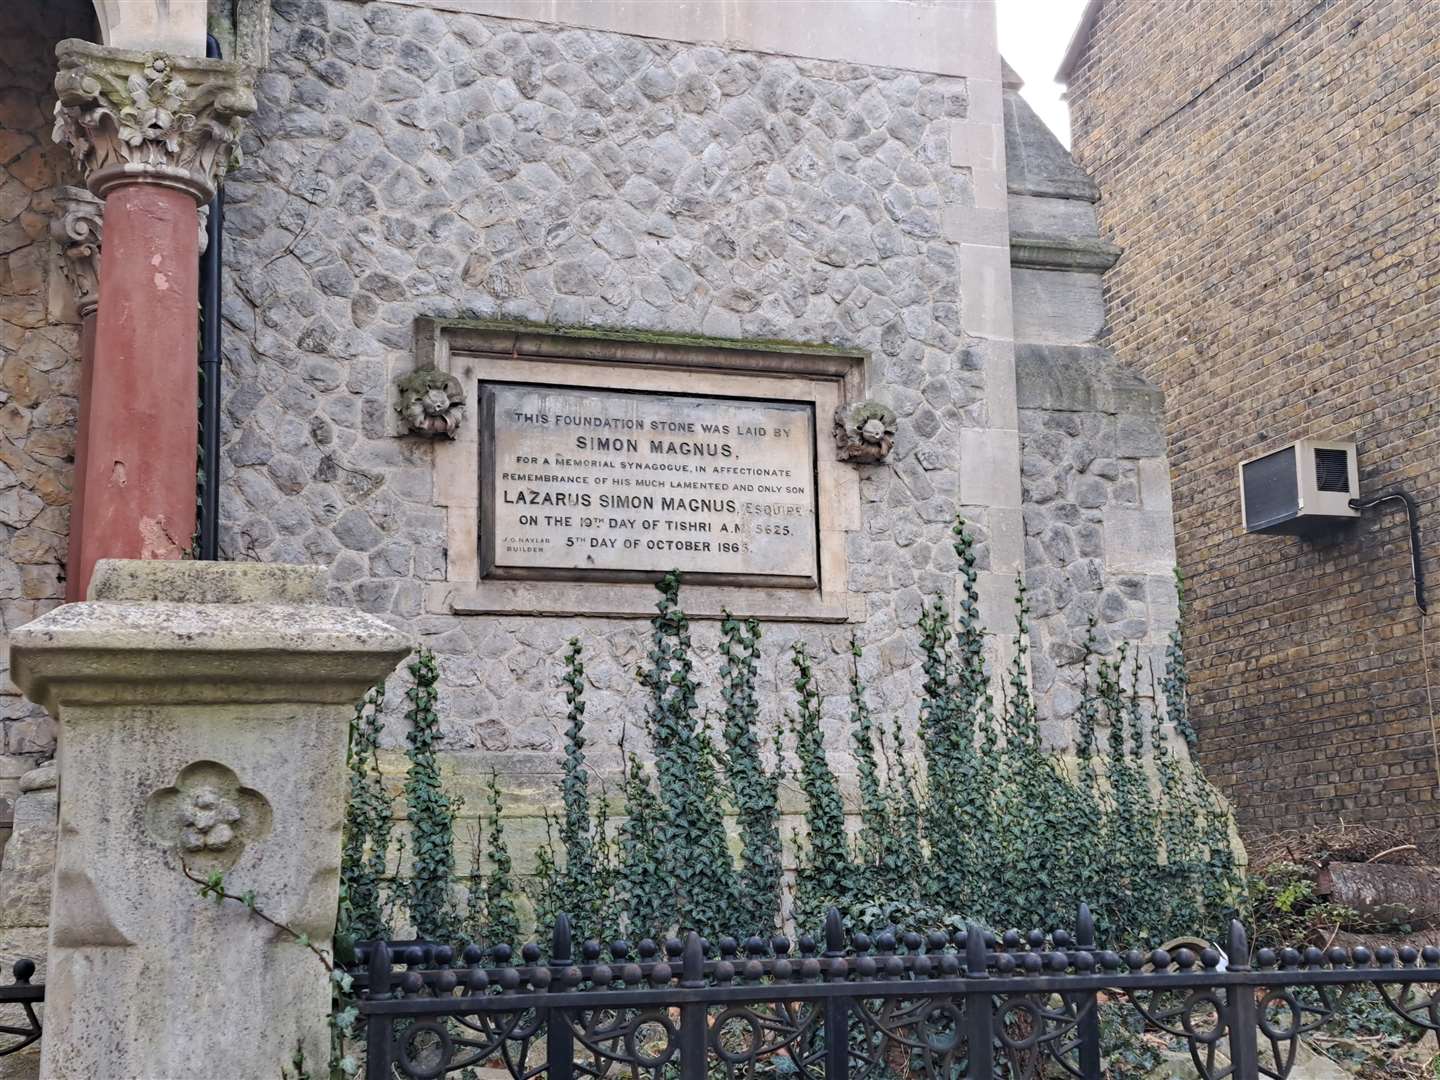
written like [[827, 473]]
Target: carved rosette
[[864, 432], [152, 117], [207, 817], [76, 228], [431, 403]]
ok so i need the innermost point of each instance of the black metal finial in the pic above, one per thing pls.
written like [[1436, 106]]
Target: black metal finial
[[975, 952], [379, 969], [1239, 959], [1085, 928], [692, 964], [560, 945], [834, 933]]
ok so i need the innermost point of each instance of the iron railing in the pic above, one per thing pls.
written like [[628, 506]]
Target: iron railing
[[963, 1005], [26, 995]]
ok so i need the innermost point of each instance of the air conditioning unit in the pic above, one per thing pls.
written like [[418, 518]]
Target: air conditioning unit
[[1301, 489]]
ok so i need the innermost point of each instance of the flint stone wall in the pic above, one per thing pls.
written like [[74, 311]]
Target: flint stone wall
[[409, 162], [39, 369]]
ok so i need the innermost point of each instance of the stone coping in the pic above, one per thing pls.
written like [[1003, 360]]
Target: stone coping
[[107, 652], [1084, 253], [189, 582]]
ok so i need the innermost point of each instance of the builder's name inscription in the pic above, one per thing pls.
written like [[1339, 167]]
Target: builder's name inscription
[[611, 484]]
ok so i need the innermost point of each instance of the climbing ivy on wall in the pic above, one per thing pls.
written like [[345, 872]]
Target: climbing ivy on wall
[[985, 823], [365, 843], [431, 812], [752, 788], [694, 855], [824, 874]]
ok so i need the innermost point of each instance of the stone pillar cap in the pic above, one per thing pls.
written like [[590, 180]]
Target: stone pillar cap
[[198, 645], [187, 582]]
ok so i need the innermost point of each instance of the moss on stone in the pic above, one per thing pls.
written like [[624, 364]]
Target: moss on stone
[[595, 333]]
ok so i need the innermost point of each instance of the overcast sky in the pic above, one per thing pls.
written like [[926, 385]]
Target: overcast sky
[[1033, 37]]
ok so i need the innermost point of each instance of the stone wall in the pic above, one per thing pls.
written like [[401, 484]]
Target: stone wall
[[26, 876], [39, 342], [1099, 547], [1270, 170], [414, 162]]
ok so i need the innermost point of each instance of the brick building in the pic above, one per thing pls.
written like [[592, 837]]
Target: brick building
[[1270, 170]]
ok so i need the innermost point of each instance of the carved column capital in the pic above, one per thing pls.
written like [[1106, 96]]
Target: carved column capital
[[171, 120], [76, 227]]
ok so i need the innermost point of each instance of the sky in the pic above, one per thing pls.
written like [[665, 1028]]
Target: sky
[[1033, 38]]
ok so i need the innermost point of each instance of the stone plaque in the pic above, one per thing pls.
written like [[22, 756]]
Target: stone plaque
[[614, 485]]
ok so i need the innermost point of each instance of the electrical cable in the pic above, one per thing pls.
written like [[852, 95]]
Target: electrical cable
[[1412, 513], [1417, 568]]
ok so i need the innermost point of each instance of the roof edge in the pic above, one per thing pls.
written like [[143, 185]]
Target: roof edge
[[1078, 41]]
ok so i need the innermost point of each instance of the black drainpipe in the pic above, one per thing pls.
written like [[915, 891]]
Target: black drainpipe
[[210, 368]]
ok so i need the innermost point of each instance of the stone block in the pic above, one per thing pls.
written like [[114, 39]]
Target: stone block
[[1000, 401], [990, 467], [1006, 539], [997, 602], [973, 225], [977, 145], [1139, 437], [29, 863], [186, 582], [1141, 540], [985, 291], [1051, 217], [1132, 393], [1056, 306], [1155, 484]]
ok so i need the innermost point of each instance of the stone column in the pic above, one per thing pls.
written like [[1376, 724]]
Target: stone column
[[78, 231], [203, 713], [153, 134]]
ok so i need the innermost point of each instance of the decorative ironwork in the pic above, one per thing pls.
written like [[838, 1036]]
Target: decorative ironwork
[[956, 1005], [26, 995]]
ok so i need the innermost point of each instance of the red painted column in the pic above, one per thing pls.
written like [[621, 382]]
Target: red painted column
[[152, 134], [139, 479]]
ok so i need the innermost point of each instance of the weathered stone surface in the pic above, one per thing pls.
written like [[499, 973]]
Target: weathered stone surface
[[163, 705], [39, 341], [1036, 163], [689, 189], [207, 583], [29, 859]]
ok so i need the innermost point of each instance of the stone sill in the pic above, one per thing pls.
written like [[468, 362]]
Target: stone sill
[[1032, 252]]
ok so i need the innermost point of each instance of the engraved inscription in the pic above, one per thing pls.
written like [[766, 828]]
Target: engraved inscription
[[615, 485]]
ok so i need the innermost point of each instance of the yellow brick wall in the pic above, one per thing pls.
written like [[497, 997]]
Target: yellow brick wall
[[1273, 173]]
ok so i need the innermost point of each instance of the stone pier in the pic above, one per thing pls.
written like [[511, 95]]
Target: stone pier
[[203, 714]]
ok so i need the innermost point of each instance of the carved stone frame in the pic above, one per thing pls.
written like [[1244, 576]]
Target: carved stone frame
[[476, 351]]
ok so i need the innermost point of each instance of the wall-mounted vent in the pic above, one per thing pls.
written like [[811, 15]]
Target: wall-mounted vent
[[1332, 469], [1303, 488]]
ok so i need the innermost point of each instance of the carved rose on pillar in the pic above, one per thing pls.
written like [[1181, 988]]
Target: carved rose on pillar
[[169, 120], [77, 229], [431, 402], [864, 432], [210, 821], [207, 816]]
